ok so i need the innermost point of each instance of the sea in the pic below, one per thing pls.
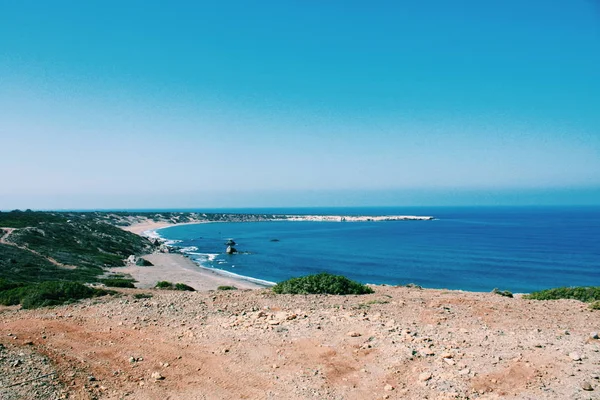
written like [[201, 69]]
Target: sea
[[520, 249]]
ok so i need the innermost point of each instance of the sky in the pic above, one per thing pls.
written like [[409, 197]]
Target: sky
[[182, 104]]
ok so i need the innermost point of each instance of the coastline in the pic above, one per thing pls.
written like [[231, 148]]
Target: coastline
[[178, 268]]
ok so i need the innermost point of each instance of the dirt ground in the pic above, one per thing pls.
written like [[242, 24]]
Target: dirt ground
[[399, 343]]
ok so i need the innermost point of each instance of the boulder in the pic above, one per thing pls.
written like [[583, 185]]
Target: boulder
[[231, 250]]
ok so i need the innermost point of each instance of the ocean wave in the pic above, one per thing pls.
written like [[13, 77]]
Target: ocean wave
[[204, 259], [152, 234], [189, 250]]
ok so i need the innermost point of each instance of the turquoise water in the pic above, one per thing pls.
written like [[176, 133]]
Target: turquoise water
[[476, 249]]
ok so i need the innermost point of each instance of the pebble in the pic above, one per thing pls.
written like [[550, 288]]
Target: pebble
[[594, 335], [587, 386], [388, 388], [353, 334], [425, 376], [575, 356], [157, 376], [449, 361]]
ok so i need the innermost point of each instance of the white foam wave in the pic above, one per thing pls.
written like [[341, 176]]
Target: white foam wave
[[189, 250]]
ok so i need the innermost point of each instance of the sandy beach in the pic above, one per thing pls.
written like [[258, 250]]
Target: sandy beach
[[176, 268], [148, 225]]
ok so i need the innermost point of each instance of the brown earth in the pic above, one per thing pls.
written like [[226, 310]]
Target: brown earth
[[399, 343]]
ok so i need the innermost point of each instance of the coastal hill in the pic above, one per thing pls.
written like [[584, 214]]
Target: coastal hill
[[148, 343]]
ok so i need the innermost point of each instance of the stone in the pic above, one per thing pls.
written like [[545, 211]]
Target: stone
[[157, 376], [587, 386], [425, 376], [449, 361], [388, 388], [594, 335], [353, 334], [575, 356]]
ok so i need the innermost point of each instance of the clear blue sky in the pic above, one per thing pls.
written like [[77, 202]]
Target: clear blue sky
[[137, 104]]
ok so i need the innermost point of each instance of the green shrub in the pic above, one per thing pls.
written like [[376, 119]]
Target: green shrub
[[322, 283], [183, 286], [164, 285], [226, 288], [595, 305], [504, 293], [48, 294], [582, 293], [142, 262], [118, 282], [7, 285], [142, 296]]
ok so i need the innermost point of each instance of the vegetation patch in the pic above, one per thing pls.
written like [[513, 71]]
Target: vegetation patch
[[184, 287], [118, 282], [142, 262], [177, 286], [48, 294], [583, 293], [322, 283], [595, 305], [22, 219], [226, 288], [142, 296], [504, 293]]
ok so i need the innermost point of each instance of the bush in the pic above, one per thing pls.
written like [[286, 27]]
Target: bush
[[118, 282], [226, 288], [142, 262], [170, 286], [582, 293], [7, 285], [48, 294], [183, 286], [322, 283], [142, 296], [504, 293], [595, 305]]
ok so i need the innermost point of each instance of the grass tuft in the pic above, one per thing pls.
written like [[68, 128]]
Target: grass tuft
[[118, 282], [226, 288], [504, 293]]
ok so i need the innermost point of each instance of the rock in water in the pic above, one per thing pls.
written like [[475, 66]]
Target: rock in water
[[230, 250]]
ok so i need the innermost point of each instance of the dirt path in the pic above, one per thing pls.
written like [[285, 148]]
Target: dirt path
[[4, 240], [398, 343]]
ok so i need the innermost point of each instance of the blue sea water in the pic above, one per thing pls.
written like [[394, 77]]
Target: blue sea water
[[521, 249]]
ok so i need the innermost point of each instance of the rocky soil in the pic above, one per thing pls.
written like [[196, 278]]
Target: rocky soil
[[399, 343]]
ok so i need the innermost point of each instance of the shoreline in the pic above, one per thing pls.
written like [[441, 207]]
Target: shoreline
[[178, 268], [150, 225]]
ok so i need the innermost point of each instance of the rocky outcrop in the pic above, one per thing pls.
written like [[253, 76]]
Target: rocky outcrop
[[231, 250]]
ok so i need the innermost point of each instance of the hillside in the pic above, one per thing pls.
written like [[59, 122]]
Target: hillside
[[40, 246]]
